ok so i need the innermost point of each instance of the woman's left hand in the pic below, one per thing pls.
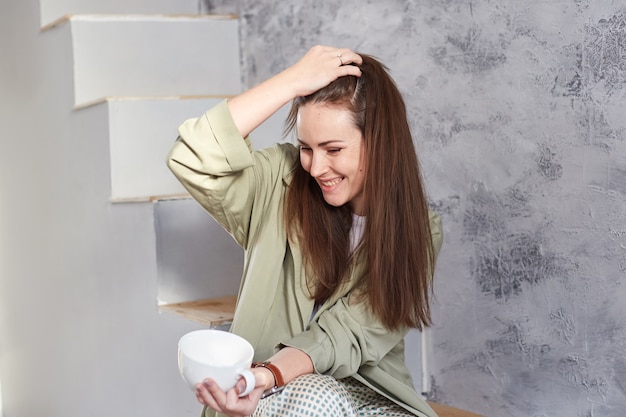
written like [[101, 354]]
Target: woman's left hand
[[320, 66], [230, 403]]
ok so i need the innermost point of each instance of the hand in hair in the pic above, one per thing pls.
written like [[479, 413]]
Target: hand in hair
[[320, 66]]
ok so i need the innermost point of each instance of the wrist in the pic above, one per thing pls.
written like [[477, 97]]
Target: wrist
[[290, 84], [276, 378], [268, 379]]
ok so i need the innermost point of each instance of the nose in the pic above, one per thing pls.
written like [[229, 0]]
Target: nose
[[318, 164]]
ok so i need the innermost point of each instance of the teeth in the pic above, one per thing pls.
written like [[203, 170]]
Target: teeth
[[331, 183]]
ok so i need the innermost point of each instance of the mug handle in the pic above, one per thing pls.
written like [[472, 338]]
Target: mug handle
[[250, 381]]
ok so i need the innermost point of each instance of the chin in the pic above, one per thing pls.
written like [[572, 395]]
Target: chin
[[334, 203]]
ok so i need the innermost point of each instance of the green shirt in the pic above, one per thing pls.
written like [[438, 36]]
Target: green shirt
[[244, 191]]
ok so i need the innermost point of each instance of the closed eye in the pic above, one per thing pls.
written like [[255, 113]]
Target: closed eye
[[333, 151]]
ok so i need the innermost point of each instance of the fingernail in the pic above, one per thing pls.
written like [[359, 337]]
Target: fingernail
[[207, 384]]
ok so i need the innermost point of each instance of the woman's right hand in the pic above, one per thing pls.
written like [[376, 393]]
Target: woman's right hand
[[320, 66]]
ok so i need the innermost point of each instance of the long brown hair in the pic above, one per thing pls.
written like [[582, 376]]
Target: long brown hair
[[397, 238]]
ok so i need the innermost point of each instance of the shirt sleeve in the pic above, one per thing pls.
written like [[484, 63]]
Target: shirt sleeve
[[210, 144], [346, 337], [220, 170]]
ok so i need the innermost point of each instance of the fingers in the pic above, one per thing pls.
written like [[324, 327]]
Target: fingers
[[344, 60], [209, 394], [320, 66], [241, 386], [232, 403], [347, 56], [337, 57]]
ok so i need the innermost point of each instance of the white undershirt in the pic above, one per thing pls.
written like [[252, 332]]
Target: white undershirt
[[356, 232]]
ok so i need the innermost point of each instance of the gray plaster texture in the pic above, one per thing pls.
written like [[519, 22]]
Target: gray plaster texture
[[518, 109]]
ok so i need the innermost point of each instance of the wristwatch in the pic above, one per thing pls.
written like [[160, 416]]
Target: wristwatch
[[279, 382]]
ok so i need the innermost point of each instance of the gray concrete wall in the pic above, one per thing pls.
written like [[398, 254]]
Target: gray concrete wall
[[518, 113]]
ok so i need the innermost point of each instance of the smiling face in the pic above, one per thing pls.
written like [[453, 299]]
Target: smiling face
[[332, 152]]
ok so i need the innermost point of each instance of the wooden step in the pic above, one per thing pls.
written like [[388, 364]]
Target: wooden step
[[215, 312], [447, 411]]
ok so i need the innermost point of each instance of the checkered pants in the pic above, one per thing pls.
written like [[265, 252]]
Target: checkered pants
[[315, 395]]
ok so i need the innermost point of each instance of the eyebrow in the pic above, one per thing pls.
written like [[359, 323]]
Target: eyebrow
[[322, 144]]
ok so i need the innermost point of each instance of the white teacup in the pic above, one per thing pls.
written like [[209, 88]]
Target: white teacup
[[216, 354]]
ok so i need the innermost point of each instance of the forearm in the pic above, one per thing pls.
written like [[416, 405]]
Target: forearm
[[252, 107], [291, 362]]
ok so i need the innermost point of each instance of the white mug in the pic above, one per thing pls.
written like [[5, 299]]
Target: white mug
[[216, 354]]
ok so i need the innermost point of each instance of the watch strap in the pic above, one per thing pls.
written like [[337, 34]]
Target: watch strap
[[279, 382]]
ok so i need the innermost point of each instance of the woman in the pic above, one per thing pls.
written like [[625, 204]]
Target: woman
[[339, 242]]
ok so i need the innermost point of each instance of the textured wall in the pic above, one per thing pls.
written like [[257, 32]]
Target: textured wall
[[519, 115]]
